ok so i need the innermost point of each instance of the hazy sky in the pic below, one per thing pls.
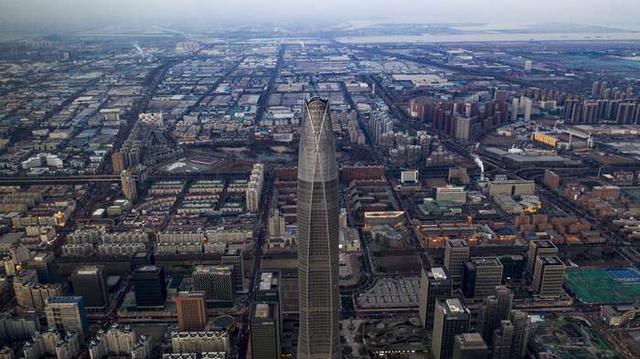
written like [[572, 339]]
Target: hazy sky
[[46, 13]]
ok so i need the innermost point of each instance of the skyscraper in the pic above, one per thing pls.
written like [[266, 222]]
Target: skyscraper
[[537, 249], [451, 318], [435, 284], [266, 318], [481, 276], [216, 282], [521, 327], [456, 253], [495, 309], [265, 331], [150, 286], [470, 346], [89, 283], [502, 338], [548, 276], [192, 311], [233, 257], [68, 314], [318, 234], [128, 184]]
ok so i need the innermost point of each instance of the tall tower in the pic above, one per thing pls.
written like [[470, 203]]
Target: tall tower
[[318, 234]]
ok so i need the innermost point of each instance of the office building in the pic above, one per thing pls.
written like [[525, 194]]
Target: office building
[[512, 267], [317, 215], [266, 317], [67, 314], [481, 276], [435, 284], [89, 282], [539, 248], [265, 331], [451, 318], [456, 253], [216, 282], [192, 311], [150, 286], [233, 257], [470, 346], [548, 277]]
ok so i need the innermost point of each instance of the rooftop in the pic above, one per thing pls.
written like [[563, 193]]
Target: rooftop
[[439, 273], [455, 306]]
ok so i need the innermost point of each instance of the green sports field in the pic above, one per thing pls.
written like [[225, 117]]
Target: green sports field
[[597, 286]]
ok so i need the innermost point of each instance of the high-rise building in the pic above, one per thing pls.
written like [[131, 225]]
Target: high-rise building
[[233, 257], [269, 288], [128, 183], [527, 104], [150, 286], [265, 331], [199, 342], [216, 282], [266, 318], [536, 249], [481, 276], [192, 311], [435, 284], [515, 106], [41, 263], [512, 267], [495, 309], [451, 318], [470, 346], [31, 295], [502, 337], [254, 188], [118, 162], [277, 224], [521, 329], [589, 112], [52, 343], [548, 277], [89, 283], [317, 215], [595, 89], [68, 314], [456, 253], [119, 341]]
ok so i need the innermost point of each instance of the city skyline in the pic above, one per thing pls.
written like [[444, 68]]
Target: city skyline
[[319, 180]]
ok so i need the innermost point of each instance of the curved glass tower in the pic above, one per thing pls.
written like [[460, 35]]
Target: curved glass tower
[[318, 234]]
